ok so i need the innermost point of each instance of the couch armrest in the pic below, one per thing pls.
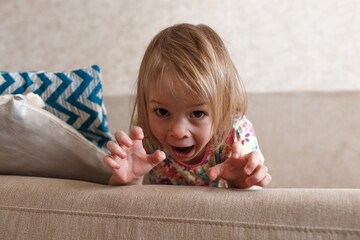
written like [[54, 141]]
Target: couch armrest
[[44, 208]]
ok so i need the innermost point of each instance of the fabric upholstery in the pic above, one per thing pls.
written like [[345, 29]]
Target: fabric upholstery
[[309, 139], [94, 211]]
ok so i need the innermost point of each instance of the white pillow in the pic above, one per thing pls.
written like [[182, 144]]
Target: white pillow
[[34, 142]]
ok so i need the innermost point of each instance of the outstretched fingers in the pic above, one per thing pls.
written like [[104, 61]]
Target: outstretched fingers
[[216, 171], [236, 150], [260, 177], [123, 139], [253, 161], [156, 158], [265, 181], [223, 168], [136, 133], [116, 149], [111, 161], [124, 142], [119, 150]]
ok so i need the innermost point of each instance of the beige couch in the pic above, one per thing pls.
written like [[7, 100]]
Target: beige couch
[[311, 145]]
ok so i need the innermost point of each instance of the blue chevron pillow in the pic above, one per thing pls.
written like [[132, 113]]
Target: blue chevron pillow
[[73, 96]]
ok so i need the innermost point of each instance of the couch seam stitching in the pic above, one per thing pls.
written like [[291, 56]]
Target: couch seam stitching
[[245, 225]]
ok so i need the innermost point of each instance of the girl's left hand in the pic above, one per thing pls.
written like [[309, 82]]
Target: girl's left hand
[[241, 170]]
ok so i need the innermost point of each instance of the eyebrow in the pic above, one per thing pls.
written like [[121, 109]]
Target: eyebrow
[[200, 104], [155, 102], [159, 103]]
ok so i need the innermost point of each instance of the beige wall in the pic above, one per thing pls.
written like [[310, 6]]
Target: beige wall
[[277, 45]]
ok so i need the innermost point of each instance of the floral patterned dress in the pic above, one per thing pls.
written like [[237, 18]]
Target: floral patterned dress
[[173, 172]]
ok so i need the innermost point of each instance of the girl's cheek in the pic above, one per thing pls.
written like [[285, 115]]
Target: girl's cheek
[[158, 130]]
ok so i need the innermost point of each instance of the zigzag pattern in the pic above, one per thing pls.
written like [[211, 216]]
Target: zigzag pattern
[[73, 96]]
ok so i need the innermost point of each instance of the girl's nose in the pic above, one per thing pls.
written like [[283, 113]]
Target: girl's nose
[[179, 129]]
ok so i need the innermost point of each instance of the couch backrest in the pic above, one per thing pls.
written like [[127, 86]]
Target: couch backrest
[[309, 139]]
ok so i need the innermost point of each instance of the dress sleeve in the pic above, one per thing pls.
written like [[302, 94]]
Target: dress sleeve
[[243, 132]]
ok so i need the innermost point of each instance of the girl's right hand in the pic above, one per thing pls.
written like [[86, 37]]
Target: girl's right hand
[[129, 161]]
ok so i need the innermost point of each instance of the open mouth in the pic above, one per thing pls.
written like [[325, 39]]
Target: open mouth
[[182, 151]]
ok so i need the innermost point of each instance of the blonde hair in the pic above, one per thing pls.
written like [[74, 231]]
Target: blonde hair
[[197, 56]]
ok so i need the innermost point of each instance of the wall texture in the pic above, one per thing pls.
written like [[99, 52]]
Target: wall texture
[[277, 45]]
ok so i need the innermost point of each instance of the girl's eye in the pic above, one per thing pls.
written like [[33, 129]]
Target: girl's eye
[[197, 114], [162, 112]]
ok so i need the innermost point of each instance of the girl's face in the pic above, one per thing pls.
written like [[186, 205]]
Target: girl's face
[[181, 122]]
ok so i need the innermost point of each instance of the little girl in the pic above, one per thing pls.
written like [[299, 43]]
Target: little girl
[[190, 117]]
